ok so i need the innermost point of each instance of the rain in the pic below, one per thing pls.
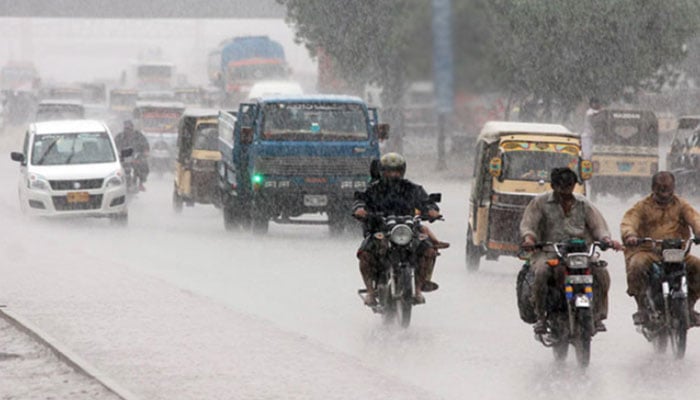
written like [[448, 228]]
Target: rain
[[183, 289]]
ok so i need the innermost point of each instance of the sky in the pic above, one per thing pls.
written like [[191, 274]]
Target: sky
[[72, 50]]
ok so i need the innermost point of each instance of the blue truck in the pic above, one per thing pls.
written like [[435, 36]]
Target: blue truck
[[237, 63], [286, 156]]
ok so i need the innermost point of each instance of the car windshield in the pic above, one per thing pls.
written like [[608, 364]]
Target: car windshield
[[536, 165], [314, 122], [207, 138], [72, 148]]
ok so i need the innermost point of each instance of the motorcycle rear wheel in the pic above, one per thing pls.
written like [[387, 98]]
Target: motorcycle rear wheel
[[560, 350]]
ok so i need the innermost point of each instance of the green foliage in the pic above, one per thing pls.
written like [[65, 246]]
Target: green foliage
[[559, 52]]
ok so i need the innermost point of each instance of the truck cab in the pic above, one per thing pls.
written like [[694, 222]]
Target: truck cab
[[287, 156]]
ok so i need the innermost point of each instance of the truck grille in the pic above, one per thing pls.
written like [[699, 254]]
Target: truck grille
[[305, 166], [60, 203], [76, 184]]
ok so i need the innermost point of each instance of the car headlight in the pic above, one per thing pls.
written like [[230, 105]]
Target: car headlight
[[115, 180], [401, 235], [38, 182]]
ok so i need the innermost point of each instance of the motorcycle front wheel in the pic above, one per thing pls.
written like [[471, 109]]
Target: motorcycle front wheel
[[584, 332], [404, 304], [679, 326]]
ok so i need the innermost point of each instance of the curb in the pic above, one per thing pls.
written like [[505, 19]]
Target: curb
[[65, 355]]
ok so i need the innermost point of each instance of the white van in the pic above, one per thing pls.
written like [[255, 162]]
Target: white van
[[71, 168]]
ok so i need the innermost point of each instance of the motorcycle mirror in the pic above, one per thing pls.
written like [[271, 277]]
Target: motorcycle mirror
[[126, 153], [435, 197]]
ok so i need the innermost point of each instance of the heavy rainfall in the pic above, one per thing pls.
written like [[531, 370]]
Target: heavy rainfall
[[183, 184]]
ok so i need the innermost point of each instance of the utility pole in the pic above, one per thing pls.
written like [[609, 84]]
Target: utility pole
[[443, 71]]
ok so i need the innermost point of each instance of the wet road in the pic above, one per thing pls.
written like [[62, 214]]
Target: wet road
[[467, 340]]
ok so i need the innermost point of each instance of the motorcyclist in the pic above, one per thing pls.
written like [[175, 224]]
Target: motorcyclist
[[661, 215], [392, 194], [557, 216], [131, 138]]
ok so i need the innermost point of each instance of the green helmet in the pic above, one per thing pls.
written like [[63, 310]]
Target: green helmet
[[393, 162]]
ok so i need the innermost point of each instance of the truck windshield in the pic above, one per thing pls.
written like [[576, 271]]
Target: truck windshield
[[314, 122], [72, 148], [536, 165]]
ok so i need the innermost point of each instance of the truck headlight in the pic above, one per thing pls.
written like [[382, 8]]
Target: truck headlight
[[401, 235]]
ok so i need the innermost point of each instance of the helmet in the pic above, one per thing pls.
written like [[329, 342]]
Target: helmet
[[563, 177], [393, 162]]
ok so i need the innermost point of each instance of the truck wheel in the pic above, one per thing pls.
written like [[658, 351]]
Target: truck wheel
[[259, 222], [336, 223]]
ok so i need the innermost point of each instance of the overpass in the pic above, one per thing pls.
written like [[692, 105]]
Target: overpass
[[142, 9]]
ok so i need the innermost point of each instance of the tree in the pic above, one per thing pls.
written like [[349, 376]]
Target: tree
[[556, 54], [560, 53]]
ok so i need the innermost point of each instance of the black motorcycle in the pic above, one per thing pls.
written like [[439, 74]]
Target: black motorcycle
[[666, 298], [132, 180], [569, 300], [394, 284]]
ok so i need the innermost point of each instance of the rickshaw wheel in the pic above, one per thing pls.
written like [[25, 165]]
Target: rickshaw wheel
[[177, 201], [473, 253]]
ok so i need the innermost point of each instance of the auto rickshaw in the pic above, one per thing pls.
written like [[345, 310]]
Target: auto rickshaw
[[197, 159], [513, 163], [625, 152]]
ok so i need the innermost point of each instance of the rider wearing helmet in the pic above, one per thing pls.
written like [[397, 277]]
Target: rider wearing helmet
[[392, 194]]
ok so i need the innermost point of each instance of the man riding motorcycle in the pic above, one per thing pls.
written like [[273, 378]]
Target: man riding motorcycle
[[661, 215], [394, 195], [557, 216], [133, 139]]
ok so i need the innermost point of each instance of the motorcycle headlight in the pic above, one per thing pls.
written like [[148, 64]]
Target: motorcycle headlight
[[115, 180], [578, 261], [38, 182], [401, 235]]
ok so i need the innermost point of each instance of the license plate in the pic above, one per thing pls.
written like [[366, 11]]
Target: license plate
[[579, 279], [315, 200], [78, 197]]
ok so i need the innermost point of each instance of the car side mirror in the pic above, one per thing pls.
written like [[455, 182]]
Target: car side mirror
[[16, 156], [435, 197], [246, 135], [382, 131], [126, 153], [586, 169], [496, 167]]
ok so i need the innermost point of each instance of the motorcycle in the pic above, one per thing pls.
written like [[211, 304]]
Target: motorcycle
[[394, 283], [569, 302], [132, 180], [666, 298]]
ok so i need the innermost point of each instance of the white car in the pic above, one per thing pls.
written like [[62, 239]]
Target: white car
[[71, 168]]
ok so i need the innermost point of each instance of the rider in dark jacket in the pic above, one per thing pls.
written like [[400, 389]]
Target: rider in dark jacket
[[394, 195]]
